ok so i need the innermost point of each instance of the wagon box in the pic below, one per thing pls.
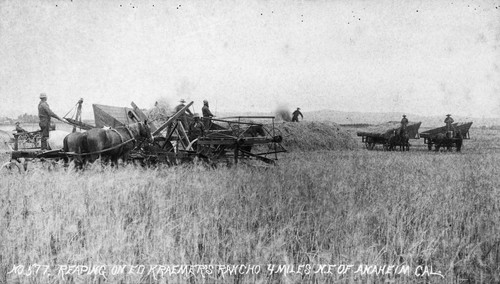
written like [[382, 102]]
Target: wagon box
[[380, 134], [439, 138], [462, 126]]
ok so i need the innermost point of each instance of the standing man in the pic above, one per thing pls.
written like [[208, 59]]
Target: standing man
[[295, 115], [206, 110], [183, 117], [44, 114], [207, 114], [404, 124], [449, 127]]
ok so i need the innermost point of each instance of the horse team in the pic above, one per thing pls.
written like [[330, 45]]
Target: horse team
[[108, 144]]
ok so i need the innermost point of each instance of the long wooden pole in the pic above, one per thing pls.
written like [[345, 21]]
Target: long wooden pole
[[172, 119]]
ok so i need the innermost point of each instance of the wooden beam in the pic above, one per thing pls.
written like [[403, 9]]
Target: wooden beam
[[172, 119]]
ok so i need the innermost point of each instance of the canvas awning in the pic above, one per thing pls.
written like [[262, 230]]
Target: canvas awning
[[112, 116]]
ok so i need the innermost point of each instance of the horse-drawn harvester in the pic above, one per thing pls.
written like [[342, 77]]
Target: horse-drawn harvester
[[389, 135], [449, 138], [222, 140]]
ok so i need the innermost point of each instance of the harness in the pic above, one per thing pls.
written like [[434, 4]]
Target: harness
[[132, 139], [122, 140]]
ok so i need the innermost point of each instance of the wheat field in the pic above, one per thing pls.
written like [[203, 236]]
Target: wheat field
[[338, 216]]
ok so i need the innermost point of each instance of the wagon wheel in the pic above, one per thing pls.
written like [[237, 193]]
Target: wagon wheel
[[12, 167], [370, 145], [387, 147], [429, 145]]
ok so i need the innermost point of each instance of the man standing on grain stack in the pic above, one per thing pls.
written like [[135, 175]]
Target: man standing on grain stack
[[44, 114], [295, 115]]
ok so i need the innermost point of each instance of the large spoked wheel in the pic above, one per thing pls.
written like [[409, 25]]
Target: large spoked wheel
[[12, 167]]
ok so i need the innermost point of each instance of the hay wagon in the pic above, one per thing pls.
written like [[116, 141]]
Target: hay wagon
[[441, 137], [380, 134]]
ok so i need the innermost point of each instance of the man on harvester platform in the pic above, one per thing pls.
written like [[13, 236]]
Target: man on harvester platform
[[44, 114], [206, 110], [183, 117]]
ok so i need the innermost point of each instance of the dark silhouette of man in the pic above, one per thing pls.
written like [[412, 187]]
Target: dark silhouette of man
[[206, 110], [295, 115]]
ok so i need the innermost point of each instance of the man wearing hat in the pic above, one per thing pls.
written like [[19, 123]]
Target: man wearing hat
[[295, 115], [44, 114], [449, 127], [183, 117], [404, 123], [19, 129]]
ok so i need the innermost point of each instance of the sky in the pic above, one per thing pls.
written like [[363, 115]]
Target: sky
[[422, 57]]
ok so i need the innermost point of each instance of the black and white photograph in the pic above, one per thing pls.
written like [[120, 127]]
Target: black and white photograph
[[260, 141]]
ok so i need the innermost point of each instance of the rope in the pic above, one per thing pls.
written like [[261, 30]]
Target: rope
[[71, 110]]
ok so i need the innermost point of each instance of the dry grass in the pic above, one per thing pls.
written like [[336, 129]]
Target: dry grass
[[355, 207], [315, 207]]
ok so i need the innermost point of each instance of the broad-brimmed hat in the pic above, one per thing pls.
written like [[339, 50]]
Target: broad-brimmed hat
[[182, 101], [17, 122], [196, 115], [43, 96], [448, 115], [205, 101], [404, 115]]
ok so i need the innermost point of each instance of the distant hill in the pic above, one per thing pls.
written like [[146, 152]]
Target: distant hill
[[340, 117]]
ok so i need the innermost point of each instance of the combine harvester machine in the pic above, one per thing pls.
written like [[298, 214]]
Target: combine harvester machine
[[223, 140], [233, 138]]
